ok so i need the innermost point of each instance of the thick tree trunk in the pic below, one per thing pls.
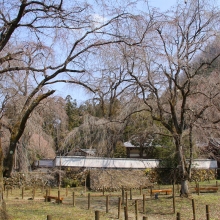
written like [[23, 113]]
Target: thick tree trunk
[[184, 191], [1, 168], [9, 159], [183, 174], [3, 214], [191, 151], [18, 128], [183, 171]]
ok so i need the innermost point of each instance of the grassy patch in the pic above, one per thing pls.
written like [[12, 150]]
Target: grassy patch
[[161, 208]]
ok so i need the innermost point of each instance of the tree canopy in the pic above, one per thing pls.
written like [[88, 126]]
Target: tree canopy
[[153, 76]]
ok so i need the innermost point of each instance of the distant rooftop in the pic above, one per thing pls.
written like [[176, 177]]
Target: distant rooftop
[[129, 144], [89, 151]]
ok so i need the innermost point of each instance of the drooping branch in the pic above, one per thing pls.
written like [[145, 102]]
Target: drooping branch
[[18, 128]]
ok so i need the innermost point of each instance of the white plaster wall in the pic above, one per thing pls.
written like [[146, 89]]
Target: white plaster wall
[[205, 164], [97, 162], [92, 162], [105, 162]]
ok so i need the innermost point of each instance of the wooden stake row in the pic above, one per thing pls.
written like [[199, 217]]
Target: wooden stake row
[[123, 200]]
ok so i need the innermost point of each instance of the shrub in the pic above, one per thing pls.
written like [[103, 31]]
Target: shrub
[[200, 175], [70, 182], [152, 175], [166, 176]]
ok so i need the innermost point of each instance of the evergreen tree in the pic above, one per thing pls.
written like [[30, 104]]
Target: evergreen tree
[[73, 113]]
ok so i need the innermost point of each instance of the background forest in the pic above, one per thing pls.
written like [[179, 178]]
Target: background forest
[[58, 125]]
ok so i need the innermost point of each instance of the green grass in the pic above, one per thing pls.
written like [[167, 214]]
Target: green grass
[[161, 208]]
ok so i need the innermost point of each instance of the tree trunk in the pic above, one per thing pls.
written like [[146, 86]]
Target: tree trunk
[[3, 214], [191, 151], [183, 171], [183, 174], [18, 129], [9, 159], [1, 168], [184, 191]]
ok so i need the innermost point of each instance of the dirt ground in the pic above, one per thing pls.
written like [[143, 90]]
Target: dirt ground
[[161, 208], [113, 179]]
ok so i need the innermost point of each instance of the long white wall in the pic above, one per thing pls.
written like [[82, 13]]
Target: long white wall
[[91, 162], [120, 163], [205, 164]]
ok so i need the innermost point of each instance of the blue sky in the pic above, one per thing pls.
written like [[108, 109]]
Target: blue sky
[[79, 93], [166, 4], [162, 4]]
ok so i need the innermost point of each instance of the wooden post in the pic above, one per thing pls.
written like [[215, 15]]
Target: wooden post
[[126, 213], [85, 185], [49, 217], [96, 215], [46, 198], [136, 209], [130, 194], [60, 173], [151, 193], [58, 196], [73, 199], [107, 203], [123, 192], [66, 191], [88, 200], [103, 190], [174, 199], [126, 198], [207, 212], [194, 209], [22, 192], [144, 203], [119, 207], [216, 183], [33, 193], [178, 217], [198, 188], [140, 190]]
